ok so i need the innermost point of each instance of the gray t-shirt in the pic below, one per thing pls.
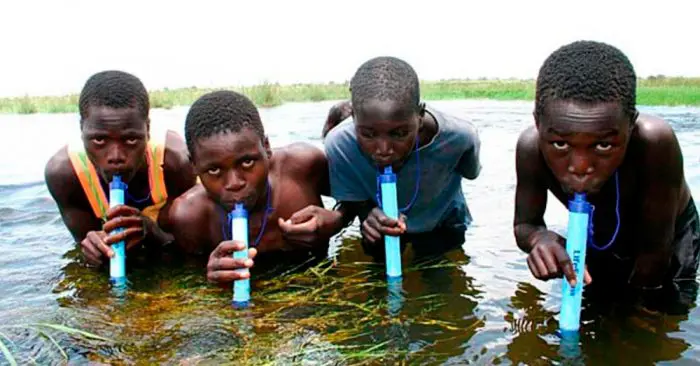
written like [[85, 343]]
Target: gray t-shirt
[[451, 155]]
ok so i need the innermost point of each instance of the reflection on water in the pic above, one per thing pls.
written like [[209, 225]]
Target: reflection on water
[[477, 305]]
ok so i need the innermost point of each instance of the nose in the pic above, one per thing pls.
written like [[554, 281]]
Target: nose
[[580, 165], [234, 181], [116, 156], [384, 148]]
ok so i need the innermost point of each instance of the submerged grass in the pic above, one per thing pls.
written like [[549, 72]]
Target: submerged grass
[[650, 91], [324, 312], [41, 329]]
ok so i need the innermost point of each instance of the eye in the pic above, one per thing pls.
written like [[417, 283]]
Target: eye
[[214, 171], [560, 145], [366, 134], [399, 134], [248, 163], [98, 140], [603, 146], [131, 141]]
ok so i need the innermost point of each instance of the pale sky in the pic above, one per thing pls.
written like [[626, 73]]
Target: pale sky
[[52, 47]]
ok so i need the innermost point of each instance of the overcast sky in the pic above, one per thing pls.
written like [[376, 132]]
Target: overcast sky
[[52, 47]]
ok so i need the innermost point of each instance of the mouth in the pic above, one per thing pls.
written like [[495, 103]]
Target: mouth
[[230, 204], [571, 186], [383, 161], [108, 175]]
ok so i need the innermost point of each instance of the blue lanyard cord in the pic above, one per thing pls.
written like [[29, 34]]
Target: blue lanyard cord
[[415, 191], [591, 240], [227, 218], [135, 200]]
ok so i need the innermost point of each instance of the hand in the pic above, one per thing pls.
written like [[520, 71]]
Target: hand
[[310, 225], [548, 259], [222, 268], [377, 224], [338, 113], [135, 225], [94, 247]]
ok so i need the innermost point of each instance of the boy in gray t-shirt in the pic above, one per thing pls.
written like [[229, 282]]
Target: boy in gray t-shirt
[[429, 151]]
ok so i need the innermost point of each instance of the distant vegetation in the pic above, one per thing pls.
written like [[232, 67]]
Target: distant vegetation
[[656, 90]]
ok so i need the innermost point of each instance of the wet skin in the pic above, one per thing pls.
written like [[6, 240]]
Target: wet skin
[[577, 147], [234, 168], [115, 141], [386, 132]]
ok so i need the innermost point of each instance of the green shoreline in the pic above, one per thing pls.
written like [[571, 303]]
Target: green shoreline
[[652, 91]]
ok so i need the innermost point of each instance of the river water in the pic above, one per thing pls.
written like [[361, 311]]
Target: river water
[[481, 306]]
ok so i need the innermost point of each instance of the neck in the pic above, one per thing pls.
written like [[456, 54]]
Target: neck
[[428, 129]]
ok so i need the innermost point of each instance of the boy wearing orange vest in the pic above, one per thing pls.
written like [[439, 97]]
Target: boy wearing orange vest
[[115, 134]]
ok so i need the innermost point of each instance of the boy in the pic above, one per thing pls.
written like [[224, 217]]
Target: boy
[[115, 134], [281, 189], [429, 151], [589, 137]]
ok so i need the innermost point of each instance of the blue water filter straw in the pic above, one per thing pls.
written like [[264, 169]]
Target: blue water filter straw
[[392, 244], [576, 240], [239, 232], [117, 264]]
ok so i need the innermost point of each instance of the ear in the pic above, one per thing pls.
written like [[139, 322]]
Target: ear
[[421, 114], [633, 122], [266, 145], [537, 120], [148, 128]]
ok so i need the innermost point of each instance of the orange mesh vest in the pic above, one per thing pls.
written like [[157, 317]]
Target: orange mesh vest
[[155, 152]]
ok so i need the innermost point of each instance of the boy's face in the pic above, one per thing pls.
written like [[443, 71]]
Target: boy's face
[[233, 167], [115, 140], [583, 143], [386, 131]]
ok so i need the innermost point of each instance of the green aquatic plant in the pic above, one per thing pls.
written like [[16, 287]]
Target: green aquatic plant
[[43, 330]]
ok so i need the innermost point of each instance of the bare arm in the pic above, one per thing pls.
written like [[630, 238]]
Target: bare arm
[[338, 113], [530, 194], [66, 191], [179, 177], [469, 165], [190, 218], [662, 182]]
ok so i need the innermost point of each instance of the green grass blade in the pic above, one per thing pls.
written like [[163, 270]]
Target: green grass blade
[[69, 330], [6, 351], [51, 338]]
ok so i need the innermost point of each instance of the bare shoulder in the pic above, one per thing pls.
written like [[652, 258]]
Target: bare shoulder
[[191, 208], [653, 130], [176, 154], [655, 147], [177, 167], [301, 159], [59, 175], [527, 146]]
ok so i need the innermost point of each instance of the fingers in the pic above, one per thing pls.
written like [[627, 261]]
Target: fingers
[[227, 269], [122, 210], [369, 233], [303, 215], [587, 279], [550, 260], [122, 222], [537, 267], [308, 227], [94, 248], [384, 224], [125, 235], [564, 263], [226, 248]]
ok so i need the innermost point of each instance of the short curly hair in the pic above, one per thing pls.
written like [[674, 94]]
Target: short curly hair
[[218, 112], [587, 71]]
